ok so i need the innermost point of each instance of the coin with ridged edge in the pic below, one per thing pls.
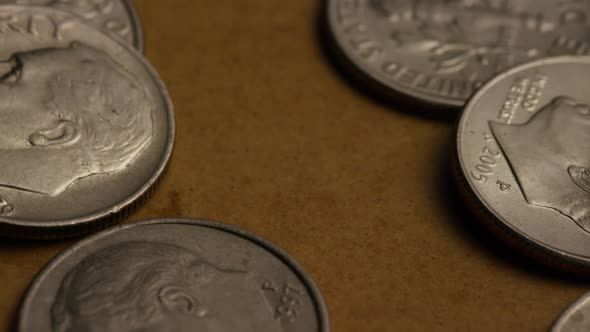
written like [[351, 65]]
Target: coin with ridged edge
[[522, 159], [86, 125], [440, 52], [173, 275], [115, 17], [575, 318]]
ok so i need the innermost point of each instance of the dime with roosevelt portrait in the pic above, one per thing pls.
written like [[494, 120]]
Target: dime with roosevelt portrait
[[523, 158], [440, 52], [575, 318], [115, 17], [173, 275], [86, 125]]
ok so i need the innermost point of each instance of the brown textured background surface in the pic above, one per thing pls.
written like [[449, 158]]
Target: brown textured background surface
[[271, 137]]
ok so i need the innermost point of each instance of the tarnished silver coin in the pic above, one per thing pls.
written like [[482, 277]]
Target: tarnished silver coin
[[173, 275], [523, 144], [86, 125], [576, 318], [115, 17], [441, 51]]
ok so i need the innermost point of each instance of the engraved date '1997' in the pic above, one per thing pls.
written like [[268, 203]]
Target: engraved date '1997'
[[289, 300]]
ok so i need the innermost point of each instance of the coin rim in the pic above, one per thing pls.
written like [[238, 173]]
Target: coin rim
[[556, 252], [313, 290], [136, 25], [54, 229], [379, 81], [567, 312]]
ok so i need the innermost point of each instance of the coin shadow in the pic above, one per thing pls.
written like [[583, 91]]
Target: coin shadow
[[465, 222], [364, 86]]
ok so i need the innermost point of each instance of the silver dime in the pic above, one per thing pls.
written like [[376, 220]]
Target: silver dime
[[440, 51], [576, 318], [173, 275], [523, 145], [115, 17], [86, 125]]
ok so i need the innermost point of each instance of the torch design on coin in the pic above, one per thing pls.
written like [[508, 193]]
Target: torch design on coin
[[442, 51], [460, 33]]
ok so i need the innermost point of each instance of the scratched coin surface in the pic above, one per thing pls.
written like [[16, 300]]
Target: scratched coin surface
[[86, 125], [441, 51], [576, 318], [523, 143], [173, 275], [115, 17]]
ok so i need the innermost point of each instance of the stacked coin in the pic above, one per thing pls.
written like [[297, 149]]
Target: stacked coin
[[87, 126], [521, 159], [173, 275], [87, 131], [439, 52]]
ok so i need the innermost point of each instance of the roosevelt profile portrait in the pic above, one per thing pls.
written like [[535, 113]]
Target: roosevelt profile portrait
[[158, 287], [549, 157], [67, 114]]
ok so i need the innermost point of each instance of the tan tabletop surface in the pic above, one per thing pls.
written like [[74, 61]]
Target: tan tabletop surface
[[271, 137]]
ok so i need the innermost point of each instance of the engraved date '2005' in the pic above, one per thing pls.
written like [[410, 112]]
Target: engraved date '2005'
[[487, 162], [484, 167]]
